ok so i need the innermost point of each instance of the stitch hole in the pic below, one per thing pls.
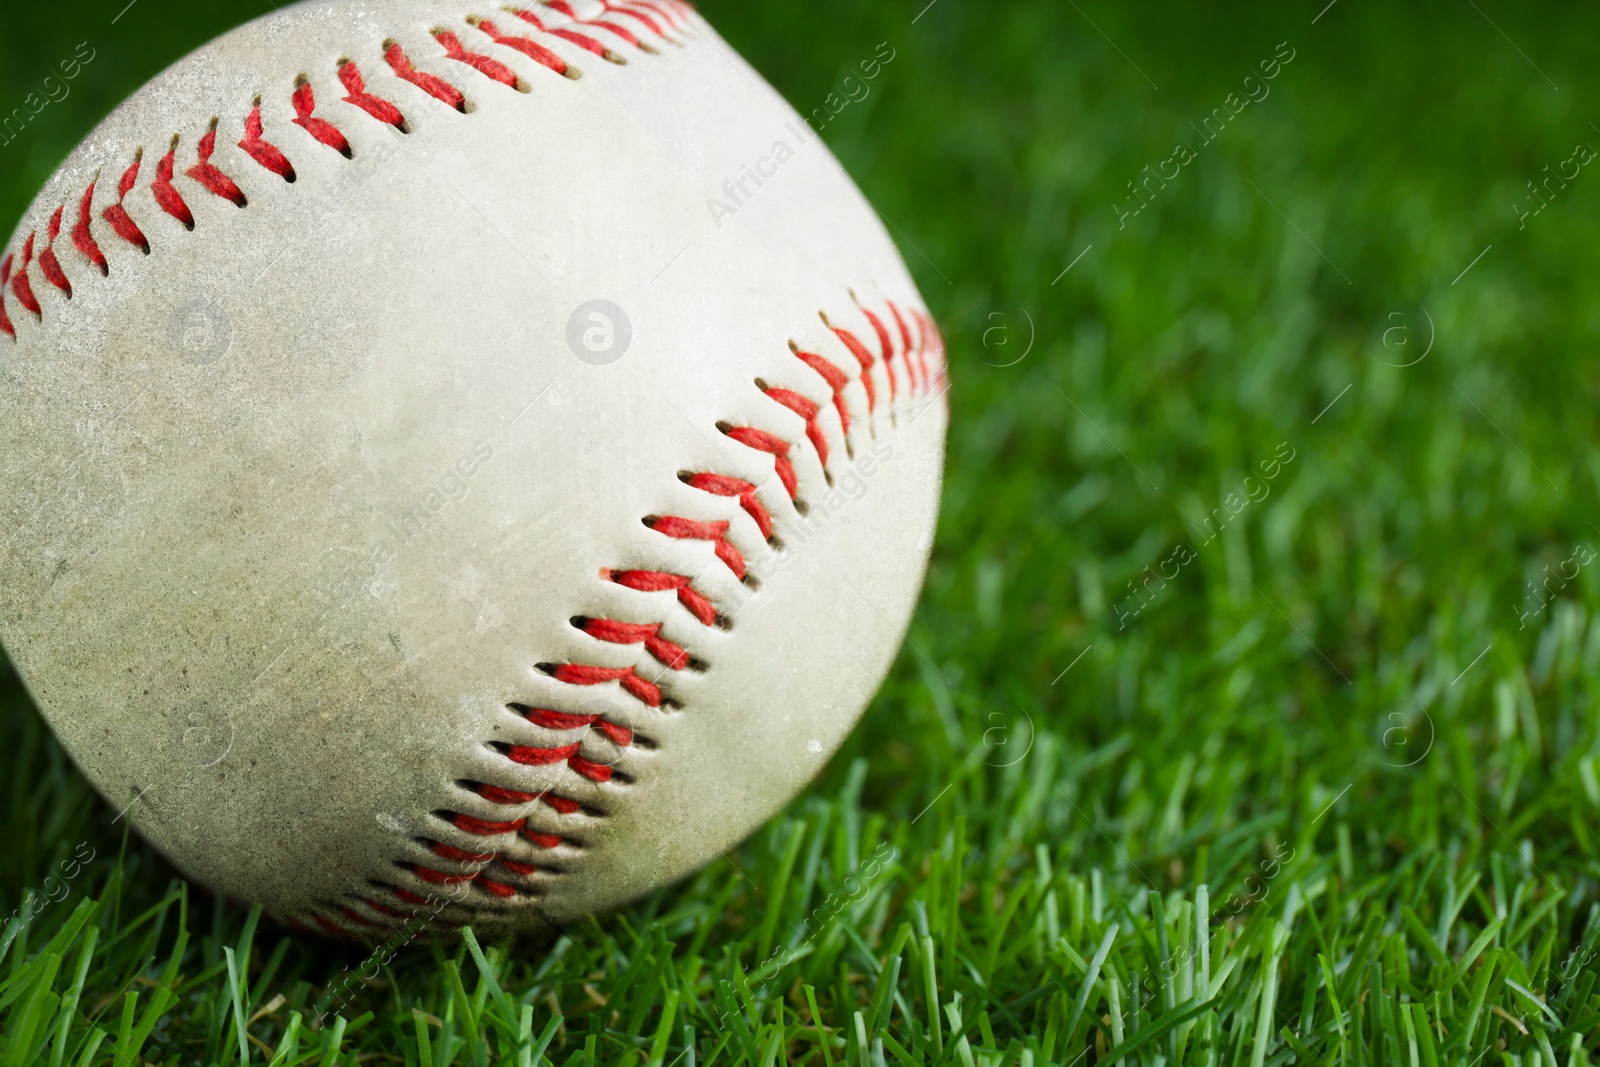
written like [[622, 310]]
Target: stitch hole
[[751, 581], [547, 668], [802, 507], [698, 666], [649, 744], [650, 521], [775, 543], [722, 622], [670, 704]]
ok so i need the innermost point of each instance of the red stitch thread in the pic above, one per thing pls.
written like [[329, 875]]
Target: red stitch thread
[[257, 148], [450, 852], [483, 827], [5, 320], [409, 897], [762, 441], [497, 795], [722, 485], [499, 889], [428, 874], [356, 917], [20, 283], [490, 68], [49, 266], [645, 19], [665, 10], [627, 633], [929, 336], [524, 869], [165, 194], [560, 720], [627, 35], [542, 840], [431, 84], [885, 345], [588, 44], [807, 409], [377, 107], [863, 357], [905, 344], [659, 581], [82, 238], [118, 215], [563, 805], [529, 756], [836, 379], [209, 175], [305, 103], [597, 772], [527, 46], [584, 674], [688, 529]]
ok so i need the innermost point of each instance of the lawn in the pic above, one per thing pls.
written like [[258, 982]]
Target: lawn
[[1249, 714]]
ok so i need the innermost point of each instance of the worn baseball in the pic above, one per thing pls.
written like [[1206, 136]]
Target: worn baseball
[[460, 462]]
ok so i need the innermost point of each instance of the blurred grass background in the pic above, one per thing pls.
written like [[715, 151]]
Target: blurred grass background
[[1326, 795]]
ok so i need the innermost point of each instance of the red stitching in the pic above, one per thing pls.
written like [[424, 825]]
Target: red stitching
[[863, 357], [612, 8], [483, 827], [499, 889], [722, 485], [498, 795], [905, 340], [304, 100], [532, 756], [807, 409], [457, 855], [886, 345], [584, 674], [117, 214], [542, 840], [431, 84], [762, 441], [629, 633], [659, 581], [836, 379], [166, 195], [20, 284], [560, 720], [627, 35], [526, 45], [588, 44], [377, 107], [49, 266], [428, 874], [690, 530], [82, 238], [490, 68], [257, 148], [6, 326], [209, 175], [524, 869]]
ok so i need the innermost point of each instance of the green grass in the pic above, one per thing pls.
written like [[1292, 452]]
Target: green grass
[[1324, 799]]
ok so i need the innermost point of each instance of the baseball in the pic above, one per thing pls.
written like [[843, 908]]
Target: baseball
[[459, 461]]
